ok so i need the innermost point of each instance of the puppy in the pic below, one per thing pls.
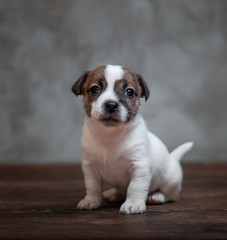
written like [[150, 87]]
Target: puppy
[[118, 148]]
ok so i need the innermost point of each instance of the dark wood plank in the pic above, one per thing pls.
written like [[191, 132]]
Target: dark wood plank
[[39, 202]]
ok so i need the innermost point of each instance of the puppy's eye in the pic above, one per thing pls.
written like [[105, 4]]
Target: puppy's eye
[[129, 92], [95, 90]]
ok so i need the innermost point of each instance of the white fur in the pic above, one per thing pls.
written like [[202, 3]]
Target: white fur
[[128, 157]]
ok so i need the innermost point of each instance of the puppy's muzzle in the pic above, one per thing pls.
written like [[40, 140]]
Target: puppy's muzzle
[[111, 106], [111, 115]]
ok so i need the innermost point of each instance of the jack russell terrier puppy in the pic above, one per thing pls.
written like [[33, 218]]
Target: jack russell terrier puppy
[[118, 148]]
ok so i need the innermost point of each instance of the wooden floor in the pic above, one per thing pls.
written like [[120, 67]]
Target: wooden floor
[[39, 202]]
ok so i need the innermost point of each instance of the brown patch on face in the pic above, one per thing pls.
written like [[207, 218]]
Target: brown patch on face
[[83, 86], [131, 103], [144, 91], [95, 78]]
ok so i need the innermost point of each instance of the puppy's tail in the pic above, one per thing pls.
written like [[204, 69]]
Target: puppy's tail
[[180, 151]]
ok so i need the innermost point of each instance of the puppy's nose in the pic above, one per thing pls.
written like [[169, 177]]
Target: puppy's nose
[[111, 106]]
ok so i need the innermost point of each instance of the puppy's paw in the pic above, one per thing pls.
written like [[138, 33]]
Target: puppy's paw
[[88, 204], [133, 207], [112, 195], [156, 198]]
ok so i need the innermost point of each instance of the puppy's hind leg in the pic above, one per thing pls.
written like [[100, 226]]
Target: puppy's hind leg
[[171, 186], [113, 195], [156, 198], [167, 193]]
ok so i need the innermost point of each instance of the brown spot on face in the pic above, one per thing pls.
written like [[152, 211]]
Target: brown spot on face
[[131, 103], [144, 91], [94, 78]]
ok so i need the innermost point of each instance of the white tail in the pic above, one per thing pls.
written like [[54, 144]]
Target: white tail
[[180, 151]]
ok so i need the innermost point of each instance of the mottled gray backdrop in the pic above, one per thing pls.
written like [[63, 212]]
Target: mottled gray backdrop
[[179, 46]]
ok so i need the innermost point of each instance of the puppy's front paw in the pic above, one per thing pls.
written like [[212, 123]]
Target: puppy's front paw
[[133, 207], [88, 204]]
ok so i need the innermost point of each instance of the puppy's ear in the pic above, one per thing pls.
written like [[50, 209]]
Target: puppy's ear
[[77, 87], [145, 91]]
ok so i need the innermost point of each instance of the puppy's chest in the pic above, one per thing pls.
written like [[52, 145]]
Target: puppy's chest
[[114, 169], [112, 162]]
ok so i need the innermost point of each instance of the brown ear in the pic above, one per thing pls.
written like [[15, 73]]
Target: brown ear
[[145, 91], [77, 87]]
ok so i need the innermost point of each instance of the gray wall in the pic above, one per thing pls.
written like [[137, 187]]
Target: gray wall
[[180, 47]]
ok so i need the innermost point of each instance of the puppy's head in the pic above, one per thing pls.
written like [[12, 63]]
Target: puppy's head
[[111, 93]]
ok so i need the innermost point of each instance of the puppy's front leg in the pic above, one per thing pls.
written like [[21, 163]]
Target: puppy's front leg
[[93, 185], [137, 192]]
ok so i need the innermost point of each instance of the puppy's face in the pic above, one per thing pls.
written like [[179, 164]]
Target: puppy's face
[[111, 93]]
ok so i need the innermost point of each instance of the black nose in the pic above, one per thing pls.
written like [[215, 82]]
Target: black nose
[[111, 106]]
